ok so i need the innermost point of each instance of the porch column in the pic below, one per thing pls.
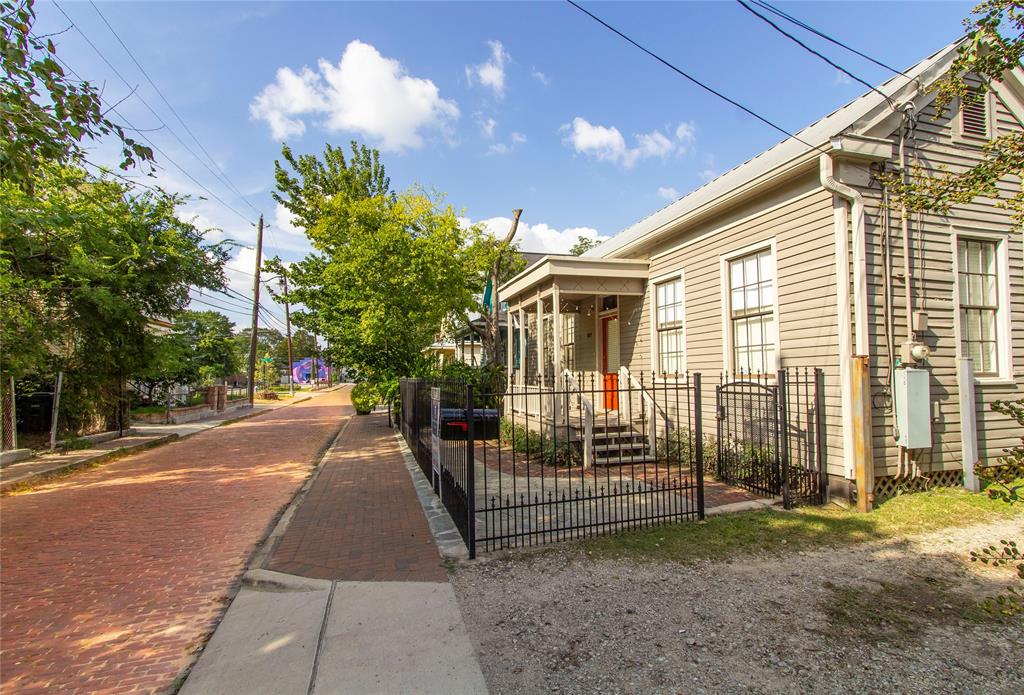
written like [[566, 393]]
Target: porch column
[[508, 344], [556, 337], [522, 346], [556, 334], [540, 338], [598, 338]]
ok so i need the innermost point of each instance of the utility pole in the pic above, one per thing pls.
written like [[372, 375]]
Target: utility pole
[[255, 311], [288, 330]]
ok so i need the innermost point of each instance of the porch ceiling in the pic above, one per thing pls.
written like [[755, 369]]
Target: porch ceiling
[[577, 276]]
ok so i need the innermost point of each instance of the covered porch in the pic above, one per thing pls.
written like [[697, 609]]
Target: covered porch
[[566, 312], [568, 358]]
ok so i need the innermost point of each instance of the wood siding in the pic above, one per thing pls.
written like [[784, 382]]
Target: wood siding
[[938, 144], [799, 219]]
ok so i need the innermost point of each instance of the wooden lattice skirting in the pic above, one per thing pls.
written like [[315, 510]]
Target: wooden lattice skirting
[[891, 486]]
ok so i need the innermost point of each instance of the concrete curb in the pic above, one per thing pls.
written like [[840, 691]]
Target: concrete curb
[[42, 476], [746, 506], [268, 580], [446, 535]]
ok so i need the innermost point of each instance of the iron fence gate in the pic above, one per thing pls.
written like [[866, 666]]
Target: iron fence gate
[[771, 434], [572, 458]]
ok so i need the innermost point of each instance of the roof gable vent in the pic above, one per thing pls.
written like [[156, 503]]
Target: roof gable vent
[[974, 115]]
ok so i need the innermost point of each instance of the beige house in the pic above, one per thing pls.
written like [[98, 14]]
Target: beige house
[[794, 259]]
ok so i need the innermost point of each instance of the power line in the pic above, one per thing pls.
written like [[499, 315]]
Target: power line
[[803, 25], [155, 114], [691, 78], [231, 300], [231, 308], [184, 125], [813, 52]]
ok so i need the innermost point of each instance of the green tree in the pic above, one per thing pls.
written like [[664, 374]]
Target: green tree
[[210, 346], [388, 272], [47, 117], [583, 244], [993, 44], [306, 182], [268, 341], [87, 263]]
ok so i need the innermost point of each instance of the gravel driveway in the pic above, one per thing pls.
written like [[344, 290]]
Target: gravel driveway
[[879, 617]]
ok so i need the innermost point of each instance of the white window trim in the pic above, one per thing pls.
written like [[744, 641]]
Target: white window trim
[[724, 285], [655, 348], [958, 122], [1004, 344]]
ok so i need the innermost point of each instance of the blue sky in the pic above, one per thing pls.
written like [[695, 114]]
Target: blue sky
[[499, 105]]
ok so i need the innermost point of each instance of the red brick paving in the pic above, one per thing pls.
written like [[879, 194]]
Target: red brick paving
[[113, 576], [361, 519]]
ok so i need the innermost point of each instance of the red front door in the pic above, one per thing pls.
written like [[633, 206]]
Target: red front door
[[610, 360]]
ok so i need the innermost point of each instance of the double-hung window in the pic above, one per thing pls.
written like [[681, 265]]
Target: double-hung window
[[978, 285], [568, 339], [752, 312], [668, 301]]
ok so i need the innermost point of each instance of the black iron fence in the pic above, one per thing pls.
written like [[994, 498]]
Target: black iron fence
[[579, 455], [535, 463], [771, 434]]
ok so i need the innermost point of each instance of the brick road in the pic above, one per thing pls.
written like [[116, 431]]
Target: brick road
[[361, 519], [113, 576]]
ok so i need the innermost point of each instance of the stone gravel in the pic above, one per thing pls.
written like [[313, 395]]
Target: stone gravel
[[563, 621]]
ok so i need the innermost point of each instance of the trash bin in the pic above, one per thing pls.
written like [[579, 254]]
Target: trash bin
[[454, 425]]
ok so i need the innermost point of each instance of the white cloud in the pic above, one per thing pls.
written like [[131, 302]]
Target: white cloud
[[492, 72], [292, 94], [499, 148], [487, 126], [708, 174], [518, 138], [365, 93], [668, 193], [540, 77], [653, 144], [606, 143], [841, 78], [596, 140], [285, 221], [540, 238], [686, 133]]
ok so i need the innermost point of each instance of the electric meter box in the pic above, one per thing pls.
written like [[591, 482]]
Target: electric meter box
[[913, 408]]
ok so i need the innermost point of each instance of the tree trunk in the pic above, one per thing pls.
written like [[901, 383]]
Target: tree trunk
[[491, 338]]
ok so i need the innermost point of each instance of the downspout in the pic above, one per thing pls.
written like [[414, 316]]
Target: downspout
[[842, 192], [860, 275]]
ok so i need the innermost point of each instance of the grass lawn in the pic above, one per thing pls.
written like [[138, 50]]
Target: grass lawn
[[731, 535]]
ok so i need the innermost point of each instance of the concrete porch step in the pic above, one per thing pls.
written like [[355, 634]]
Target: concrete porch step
[[622, 446], [617, 460]]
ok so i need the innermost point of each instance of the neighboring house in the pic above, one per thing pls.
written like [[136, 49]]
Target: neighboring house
[[793, 260], [465, 348], [464, 343]]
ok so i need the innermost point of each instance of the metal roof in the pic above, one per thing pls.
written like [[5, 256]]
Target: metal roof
[[815, 136]]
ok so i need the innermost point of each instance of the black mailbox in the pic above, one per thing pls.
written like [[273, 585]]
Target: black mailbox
[[454, 425]]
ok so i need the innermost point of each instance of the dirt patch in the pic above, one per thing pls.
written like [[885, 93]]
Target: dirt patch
[[895, 616]]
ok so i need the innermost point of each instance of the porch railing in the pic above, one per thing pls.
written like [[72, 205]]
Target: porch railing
[[575, 398]]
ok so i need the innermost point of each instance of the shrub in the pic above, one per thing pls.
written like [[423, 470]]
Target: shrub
[[537, 447], [678, 446], [364, 398]]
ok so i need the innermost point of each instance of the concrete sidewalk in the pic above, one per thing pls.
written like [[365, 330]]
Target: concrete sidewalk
[[138, 438], [363, 606]]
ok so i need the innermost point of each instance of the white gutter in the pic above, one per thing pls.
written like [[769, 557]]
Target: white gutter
[[842, 194], [860, 275]]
